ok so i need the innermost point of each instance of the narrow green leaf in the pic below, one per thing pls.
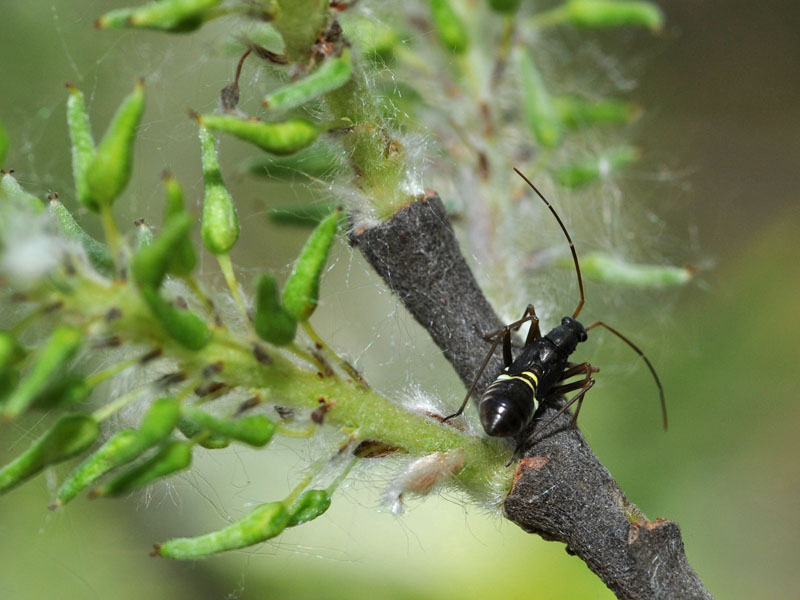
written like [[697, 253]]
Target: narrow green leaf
[[183, 259], [171, 457], [98, 253], [110, 170], [204, 437], [264, 522], [70, 435], [332, 74], [281, 138], [159, 421], [50, 361], [151, 263], [301, 292], [583, 173], [575, 112], [607, 268], [449, 26], [63, 392], [598, 14], [255, 430], [309, 506], [178, 16], [272, 322], [220, 223], [118, 450], [11, 352], [122, 448], [183, 326], [83, 150], [11, 192], [538, 108]]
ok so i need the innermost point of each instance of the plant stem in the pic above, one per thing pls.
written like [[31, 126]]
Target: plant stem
[[230, 279]]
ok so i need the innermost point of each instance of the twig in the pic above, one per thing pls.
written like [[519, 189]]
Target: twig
[[561, 491]]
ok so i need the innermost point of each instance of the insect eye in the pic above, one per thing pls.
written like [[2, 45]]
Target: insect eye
[[567, 321]]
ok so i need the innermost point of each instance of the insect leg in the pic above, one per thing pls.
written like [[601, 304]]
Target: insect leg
[[508, 358], [574, 369], [534, 333], [584, 386], [477, 376], [503, 334], [528, 315]]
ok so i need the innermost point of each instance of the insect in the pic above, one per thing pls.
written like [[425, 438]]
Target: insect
[[542, 369]]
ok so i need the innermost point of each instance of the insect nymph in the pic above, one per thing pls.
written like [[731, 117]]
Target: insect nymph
[[540, 372]]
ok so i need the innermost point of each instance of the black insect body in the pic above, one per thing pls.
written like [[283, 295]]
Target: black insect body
[[509, 403], [542, 369]]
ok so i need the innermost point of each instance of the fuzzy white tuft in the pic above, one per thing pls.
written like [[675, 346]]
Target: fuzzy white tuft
[[422, 476], [31, 248]]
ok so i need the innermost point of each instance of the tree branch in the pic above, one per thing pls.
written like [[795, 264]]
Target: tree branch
[[561, 490]]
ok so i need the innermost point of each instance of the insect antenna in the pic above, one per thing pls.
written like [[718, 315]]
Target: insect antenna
[[647, 362], [569, 239]]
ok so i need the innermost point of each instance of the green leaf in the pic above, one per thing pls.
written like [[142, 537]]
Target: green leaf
[[11, 192], [575, 113], [332, 74], [272, 322], [83, 149], [537, 105], [50, 361], [204, 437], [159, 421], [449, 26], [264, 522], [118, 449], [183, 326], [110, 169], [281, 138], [309, 506], [183, 259], [98, 253], [583, 173], [607, 268], [599, 14], [68, 436], [301, 292], [171, 457], [255, 430], [220, 223], [152, 262], [177, 16]]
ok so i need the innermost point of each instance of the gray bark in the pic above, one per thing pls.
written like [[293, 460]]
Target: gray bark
[[561, 490]]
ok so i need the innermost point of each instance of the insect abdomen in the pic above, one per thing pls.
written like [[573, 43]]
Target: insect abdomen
[[508, 404]]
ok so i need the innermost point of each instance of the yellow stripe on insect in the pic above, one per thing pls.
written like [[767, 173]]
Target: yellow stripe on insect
[[530, 379]]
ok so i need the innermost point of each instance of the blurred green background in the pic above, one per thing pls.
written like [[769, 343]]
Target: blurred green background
[[722, 90]]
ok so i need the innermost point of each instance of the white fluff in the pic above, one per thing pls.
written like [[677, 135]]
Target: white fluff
[[422, 476], [31, 250]]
